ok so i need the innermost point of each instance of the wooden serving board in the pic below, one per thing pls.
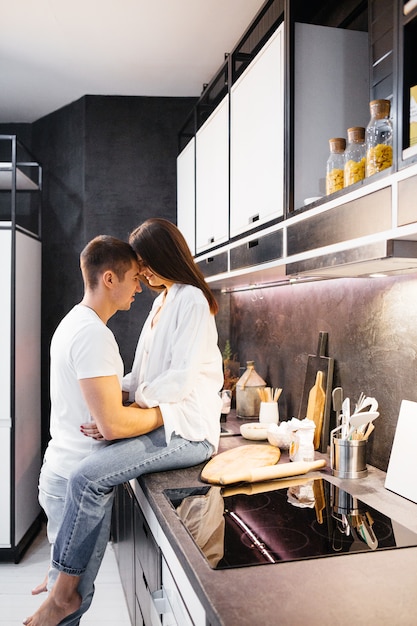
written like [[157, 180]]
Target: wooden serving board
[[315, 407], [253, 463], [241, 458], [319, 363]]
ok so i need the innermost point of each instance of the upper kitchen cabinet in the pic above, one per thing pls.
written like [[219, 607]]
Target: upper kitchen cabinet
[[186, 193], [257, 139], [20, 340], [408, 83], [331, 94], [304, 73], [212, 179]]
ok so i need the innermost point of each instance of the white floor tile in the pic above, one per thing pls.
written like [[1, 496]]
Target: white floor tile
[[16, 582]]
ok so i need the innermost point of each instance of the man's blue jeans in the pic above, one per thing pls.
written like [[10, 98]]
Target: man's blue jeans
[[90, 488], [52, 491]]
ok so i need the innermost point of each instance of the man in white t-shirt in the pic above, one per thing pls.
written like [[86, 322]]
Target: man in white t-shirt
[[86, 363]]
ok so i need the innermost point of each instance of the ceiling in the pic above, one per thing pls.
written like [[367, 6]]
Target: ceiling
[[54, 52]]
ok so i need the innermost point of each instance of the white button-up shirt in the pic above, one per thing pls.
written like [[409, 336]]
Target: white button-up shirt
[[178, 366]]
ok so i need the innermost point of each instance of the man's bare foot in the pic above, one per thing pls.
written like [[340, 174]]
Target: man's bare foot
[[41, 588], [54, 610]]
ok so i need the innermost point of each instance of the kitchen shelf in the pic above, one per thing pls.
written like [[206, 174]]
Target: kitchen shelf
[[20, 423], [23, 182]]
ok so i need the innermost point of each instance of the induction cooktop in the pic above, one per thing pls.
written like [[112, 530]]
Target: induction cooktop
[[259, 524]]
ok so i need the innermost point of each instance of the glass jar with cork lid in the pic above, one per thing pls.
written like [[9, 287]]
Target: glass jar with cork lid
[[378, 138], [355, 154], [335, 165]]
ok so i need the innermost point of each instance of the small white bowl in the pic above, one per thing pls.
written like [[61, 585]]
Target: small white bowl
[[254, 430], [279, 436]]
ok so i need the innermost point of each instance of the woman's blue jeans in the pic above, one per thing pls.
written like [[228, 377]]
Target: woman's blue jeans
[[90, 488]]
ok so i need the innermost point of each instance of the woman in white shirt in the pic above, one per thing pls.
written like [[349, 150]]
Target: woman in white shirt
[[177, 368]]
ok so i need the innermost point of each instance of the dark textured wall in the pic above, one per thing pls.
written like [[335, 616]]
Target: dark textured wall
[[108, 164], [372, 326]]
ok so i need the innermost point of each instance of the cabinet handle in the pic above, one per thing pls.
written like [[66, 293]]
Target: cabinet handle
[[210, 259], [254, 218], [161, 602], [253, 244]]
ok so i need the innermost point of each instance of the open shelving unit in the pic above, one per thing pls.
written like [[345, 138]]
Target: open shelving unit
[[20, 342]]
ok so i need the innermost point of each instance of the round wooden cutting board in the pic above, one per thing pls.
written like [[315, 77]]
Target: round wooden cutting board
[[241, 458]]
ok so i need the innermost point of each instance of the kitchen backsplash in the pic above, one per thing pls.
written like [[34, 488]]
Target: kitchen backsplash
[[372, 328]]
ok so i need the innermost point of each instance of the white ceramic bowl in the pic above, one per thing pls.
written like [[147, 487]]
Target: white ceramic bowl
[[254, 430]]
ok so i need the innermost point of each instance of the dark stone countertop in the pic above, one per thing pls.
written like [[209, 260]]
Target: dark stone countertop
[[361, 588]]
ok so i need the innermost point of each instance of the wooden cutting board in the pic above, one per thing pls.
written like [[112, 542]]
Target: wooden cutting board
[[241, 458], [315, 407], [315, 363], [252, 463]]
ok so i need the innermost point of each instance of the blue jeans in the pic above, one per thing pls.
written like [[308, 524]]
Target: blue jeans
[[91, 485], [52, 492]]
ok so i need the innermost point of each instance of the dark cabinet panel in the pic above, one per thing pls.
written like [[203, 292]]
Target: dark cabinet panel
[[407, 204], [364, 216], [260, 250], [213, 265]]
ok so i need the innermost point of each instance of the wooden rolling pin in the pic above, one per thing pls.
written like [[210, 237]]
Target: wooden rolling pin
[[270, 472]]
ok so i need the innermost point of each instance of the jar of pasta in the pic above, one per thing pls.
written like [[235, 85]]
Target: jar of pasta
[[335, 165], [378, 138], [355, 156]]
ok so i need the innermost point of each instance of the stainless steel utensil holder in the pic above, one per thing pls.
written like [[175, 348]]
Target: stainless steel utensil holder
[[348, 458]]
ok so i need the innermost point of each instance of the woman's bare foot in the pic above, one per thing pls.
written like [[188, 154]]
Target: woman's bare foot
[[63, 600], [41, 588]]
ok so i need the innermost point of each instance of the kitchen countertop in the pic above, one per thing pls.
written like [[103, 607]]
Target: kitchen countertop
[[361, 588]]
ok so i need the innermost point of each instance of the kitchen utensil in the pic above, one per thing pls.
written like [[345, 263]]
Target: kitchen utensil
[[359, 402], [402, 466], [337, 397], [246, 457], [366, 403], [345, 417], [277, 394], [361, 419], [325, 364], [368, 431], [315, 407]]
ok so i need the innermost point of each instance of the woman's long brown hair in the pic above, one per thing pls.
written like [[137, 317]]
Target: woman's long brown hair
[[161, 245]]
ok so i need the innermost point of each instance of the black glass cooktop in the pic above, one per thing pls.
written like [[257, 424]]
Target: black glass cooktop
[[305, 518]]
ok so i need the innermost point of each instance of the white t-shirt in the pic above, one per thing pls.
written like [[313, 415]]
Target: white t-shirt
[[82, 347], [178, 366]]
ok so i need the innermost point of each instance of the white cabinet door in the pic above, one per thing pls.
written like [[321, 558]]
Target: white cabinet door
[[5, 409], [212, 179], [186, 193], [257, 139]]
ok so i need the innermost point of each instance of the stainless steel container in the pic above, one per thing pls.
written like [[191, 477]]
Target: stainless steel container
[[348, 458]]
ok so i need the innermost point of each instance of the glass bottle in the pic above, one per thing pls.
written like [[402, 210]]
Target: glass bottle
[[355, 156], [378, 138], [247, 395], [335, 165]]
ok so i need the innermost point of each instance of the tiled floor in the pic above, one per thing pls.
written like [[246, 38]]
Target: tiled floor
[[16, 582]]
